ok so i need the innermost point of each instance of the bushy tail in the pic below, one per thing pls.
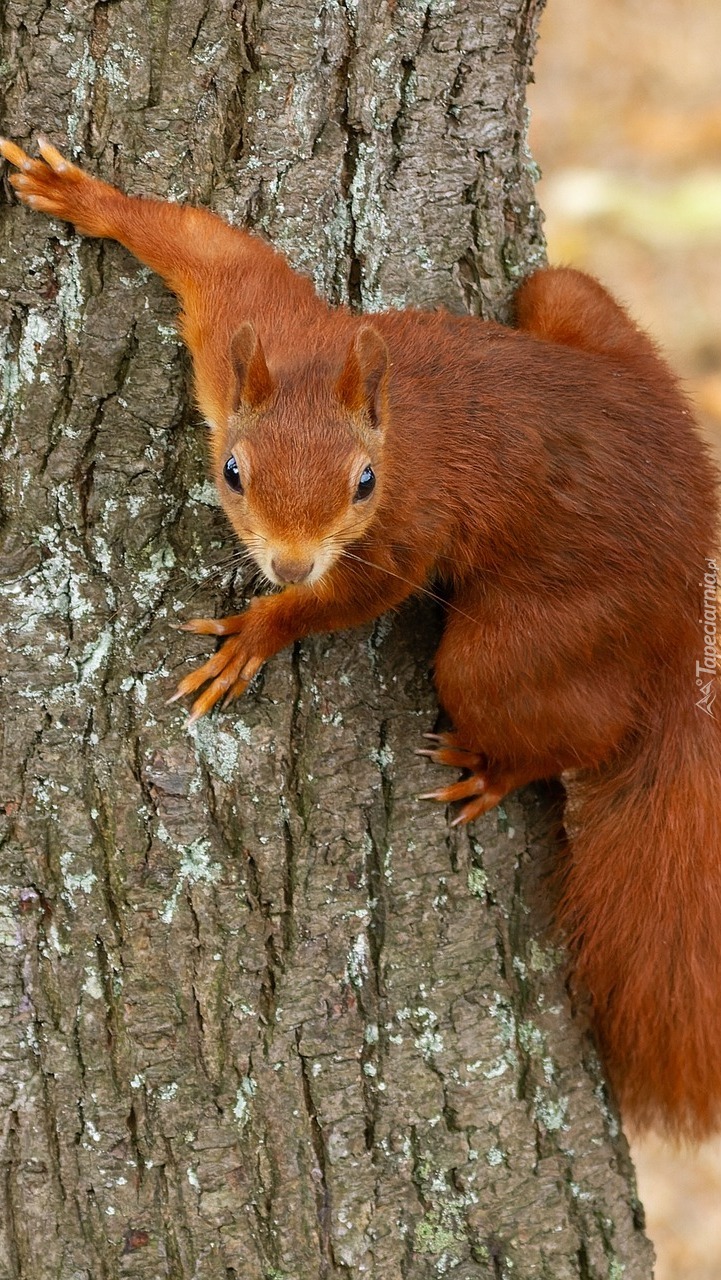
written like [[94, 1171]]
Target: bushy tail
[[641, 905], [562, 305]]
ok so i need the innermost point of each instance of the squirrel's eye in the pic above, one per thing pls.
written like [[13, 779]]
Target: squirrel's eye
[[231, 475], [366, 485]]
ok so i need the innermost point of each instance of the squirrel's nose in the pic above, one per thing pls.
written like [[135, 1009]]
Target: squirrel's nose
[[291, 570]]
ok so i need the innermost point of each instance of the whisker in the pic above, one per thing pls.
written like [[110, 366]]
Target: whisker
[[221, 574], [439, 559], [448, 604]]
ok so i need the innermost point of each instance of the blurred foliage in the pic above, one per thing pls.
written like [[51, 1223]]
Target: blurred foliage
[[626, 127]]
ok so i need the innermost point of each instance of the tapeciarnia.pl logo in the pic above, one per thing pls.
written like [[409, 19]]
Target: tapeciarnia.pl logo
[[706, 670]]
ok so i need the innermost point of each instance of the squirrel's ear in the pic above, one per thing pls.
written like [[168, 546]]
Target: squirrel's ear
[[361, 384], [253, 383]]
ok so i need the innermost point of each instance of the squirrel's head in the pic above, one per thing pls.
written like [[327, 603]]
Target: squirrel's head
[[299, 464]]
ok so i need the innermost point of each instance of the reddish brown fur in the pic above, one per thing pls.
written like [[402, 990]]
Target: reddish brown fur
[[553, 478]]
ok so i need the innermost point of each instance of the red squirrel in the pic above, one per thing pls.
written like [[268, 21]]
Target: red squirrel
[[551, 477]]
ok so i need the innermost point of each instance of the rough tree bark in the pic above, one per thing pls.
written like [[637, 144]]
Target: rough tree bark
[[264, 1015]]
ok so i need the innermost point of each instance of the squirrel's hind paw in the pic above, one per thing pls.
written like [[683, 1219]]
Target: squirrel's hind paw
[[477, 790], [483, 788]]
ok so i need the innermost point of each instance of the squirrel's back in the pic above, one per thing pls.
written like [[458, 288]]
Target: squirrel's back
[[641, 898]]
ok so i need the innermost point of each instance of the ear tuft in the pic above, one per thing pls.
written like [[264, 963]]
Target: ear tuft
[[253, 383], [362, 382]]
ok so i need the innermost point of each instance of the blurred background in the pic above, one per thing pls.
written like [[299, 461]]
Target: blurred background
[[626, 128]]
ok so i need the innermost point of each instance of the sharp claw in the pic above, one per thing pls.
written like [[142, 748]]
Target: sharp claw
[[203, 626], [433, 795], [198, 709], [481, 805], [185, 626]]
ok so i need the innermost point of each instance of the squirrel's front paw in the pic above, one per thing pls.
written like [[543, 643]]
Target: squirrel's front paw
[[228, 673], [54, 185]]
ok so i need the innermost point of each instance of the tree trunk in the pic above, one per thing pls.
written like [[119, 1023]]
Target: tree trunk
[[264, 1014]]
